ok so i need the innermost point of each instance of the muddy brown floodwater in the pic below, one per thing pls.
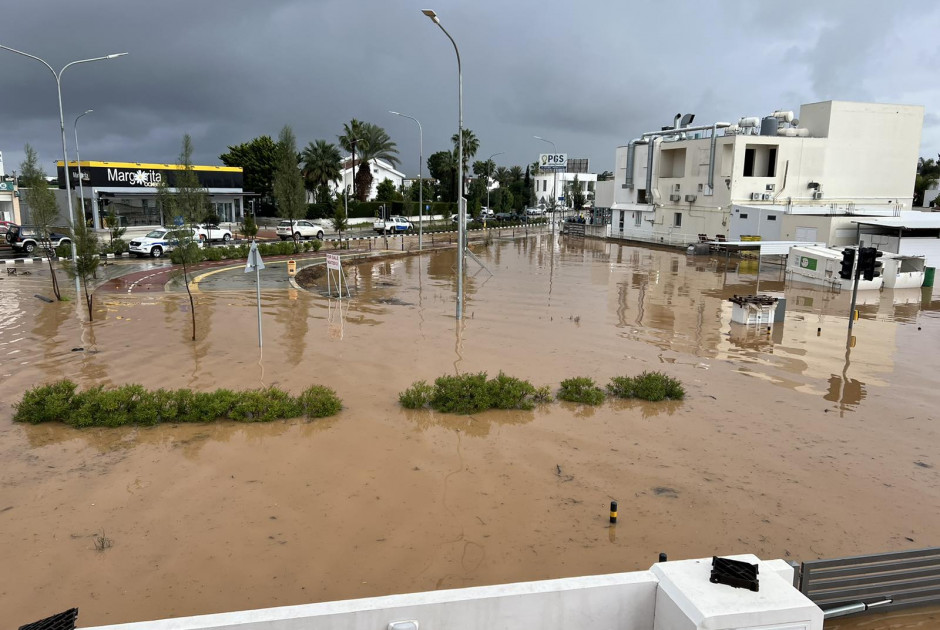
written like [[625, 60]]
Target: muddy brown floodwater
[[788, 445]]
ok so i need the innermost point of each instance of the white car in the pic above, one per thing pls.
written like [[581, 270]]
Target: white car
[[210, 232], [392, 224], [534, 212], [161, 241], [301, 229]]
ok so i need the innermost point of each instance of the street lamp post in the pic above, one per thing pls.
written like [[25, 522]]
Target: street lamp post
[[420, 186], [488, 177], [65, 155], [81, 184], [461, 206], [554, 180]]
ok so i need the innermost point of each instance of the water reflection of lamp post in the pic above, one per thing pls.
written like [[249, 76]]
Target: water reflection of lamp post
[[78, 159], [461, 206], [420, 186], [554, 179], [65, 155]]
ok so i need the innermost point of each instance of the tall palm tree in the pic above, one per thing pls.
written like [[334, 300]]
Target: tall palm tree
[[321, 165], [352, 133], [515, 173], [502, 176], [374, 144], [470, 147]]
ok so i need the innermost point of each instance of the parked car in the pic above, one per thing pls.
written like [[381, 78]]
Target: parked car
[[4, 228], [507, 216], [212, 232], [486, 212], [534, 212], [25, 238], [301, 229], [161, 241], [392, 224]]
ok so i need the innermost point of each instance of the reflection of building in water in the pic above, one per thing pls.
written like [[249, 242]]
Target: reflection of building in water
[[681, 303]]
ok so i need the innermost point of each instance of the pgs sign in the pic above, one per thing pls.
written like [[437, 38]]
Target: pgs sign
[[553, 161]]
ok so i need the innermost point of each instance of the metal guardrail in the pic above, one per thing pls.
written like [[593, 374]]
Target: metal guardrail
[[907, 578]]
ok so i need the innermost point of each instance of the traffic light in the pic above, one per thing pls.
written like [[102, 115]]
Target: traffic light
[[865, 262], [848, 263], [868, 262]]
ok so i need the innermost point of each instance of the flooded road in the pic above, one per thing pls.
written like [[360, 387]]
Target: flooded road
[[788, 445]]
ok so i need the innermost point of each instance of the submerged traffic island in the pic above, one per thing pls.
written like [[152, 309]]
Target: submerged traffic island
[[473, 393], [135, 405]]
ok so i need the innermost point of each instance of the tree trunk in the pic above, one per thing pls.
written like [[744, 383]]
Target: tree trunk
[[192, 303], [363, 181], [88, 300], [55, 281]]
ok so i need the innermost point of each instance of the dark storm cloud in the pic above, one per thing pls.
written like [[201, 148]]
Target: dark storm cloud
[[589, 76]]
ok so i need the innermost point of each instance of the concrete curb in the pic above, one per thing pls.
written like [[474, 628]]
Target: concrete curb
[[20, 261]]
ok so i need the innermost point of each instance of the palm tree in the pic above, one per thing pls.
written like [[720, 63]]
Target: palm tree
[[502, 176], [927, 174], [321, 165], [515, 173], [470, 146], [374, 144], [352, 133]]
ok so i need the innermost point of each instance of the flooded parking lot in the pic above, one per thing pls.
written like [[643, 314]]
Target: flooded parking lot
[[790, 444]]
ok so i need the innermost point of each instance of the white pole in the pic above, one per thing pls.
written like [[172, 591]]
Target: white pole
[[461, 206], [65, 155], [81, 184], [258, 286], [420, 187]]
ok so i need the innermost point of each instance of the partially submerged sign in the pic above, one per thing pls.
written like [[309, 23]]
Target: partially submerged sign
[[332, 262], [254, 259]]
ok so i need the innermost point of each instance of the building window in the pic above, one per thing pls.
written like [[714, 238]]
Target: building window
[[622, 213], [641, 195], [771, 217], [639, 218], [760, 160], [743, 215], [677, 219]]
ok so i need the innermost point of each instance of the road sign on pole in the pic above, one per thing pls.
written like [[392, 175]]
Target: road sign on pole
[[256, 264], [332, 262]]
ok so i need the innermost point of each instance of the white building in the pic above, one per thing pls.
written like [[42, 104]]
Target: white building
[[548, 184], [677, 184], [381, 170], [9, 197]]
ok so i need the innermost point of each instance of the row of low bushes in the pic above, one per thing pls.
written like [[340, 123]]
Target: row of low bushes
[[135, 405], [195, 253], [472, 393]]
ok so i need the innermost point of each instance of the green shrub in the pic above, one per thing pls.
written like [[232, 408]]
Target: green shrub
[[319, 402], [581, 389], [316, 244], [652, 386], [213, 253], [622, 387], [464, 393], [132, 404], [193, 253], [508, 392], [62, 251], [416, 396], [542, 395], [46, 403]]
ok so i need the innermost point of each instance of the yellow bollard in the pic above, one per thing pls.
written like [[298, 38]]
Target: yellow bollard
[[291, 268]]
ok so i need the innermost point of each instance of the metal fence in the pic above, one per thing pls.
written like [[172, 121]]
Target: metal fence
[[907, 578]]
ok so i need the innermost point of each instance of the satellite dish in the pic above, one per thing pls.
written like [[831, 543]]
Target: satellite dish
[[687, 120], [795, 122]]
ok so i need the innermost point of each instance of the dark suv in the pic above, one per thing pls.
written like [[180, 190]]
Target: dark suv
[[25, 238]]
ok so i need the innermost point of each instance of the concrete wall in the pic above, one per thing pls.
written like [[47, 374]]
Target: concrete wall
[[624, 600], [755, 221]]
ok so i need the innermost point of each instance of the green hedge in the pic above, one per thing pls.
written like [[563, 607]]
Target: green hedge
[[403, 208], [472, 393], [230, 252], [134, 405]]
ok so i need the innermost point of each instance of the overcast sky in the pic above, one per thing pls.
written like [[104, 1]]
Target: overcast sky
[[588, 75]]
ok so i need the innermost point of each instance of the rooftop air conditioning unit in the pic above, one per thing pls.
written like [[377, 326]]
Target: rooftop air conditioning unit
[[675, 197], [690, 198], [765, 197], [818, 194], [755, 196]]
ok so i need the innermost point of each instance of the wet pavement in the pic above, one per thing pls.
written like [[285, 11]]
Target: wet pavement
[[790, 443]]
